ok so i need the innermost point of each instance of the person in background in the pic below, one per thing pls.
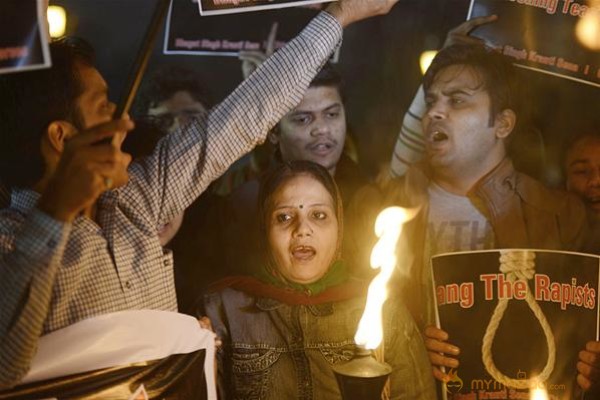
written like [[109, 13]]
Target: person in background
[[315, 130], [582, 166], [285, 328], [170, 100], [80, 237], [174, 96], [582, 170]]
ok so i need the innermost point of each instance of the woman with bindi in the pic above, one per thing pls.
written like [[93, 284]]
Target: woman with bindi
[[284, 329]]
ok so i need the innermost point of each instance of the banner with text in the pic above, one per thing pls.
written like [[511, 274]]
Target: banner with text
[[519, 317], [215, 7], [227, 35], [23, 36], [540, 35]]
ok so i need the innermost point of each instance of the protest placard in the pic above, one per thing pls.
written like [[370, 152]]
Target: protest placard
[[227, 35], [520, 318], [215, 7], [23, 36], [540, 35]]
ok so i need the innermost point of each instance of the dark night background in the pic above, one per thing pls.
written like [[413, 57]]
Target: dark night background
[[379, 62]]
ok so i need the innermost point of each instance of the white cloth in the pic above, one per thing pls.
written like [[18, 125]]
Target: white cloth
[[455, 224], [122, 338]]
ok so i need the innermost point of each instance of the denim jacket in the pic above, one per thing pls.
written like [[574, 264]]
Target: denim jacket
[[273, 350]]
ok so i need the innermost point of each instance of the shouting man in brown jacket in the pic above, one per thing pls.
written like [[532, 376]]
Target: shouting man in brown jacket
[[467, 191]]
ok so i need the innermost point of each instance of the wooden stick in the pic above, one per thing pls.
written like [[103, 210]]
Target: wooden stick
[[137, 72], [143, 56]]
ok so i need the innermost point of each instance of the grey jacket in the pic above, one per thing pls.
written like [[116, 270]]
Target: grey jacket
[[273, 350]]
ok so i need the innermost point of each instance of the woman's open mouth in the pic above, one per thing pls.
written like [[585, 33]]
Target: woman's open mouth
[[439, 136], [303, 253]]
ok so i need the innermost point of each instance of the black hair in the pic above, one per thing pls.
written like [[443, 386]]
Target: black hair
[[586, 132], [142, 140], [328, 76], [499, 77], [30, 101], [167, 81], [278, 176]]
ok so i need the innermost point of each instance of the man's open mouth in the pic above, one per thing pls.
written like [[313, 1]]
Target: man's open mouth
[[321, 147]]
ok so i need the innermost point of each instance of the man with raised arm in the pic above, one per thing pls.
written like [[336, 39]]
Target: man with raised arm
[[80, 237]]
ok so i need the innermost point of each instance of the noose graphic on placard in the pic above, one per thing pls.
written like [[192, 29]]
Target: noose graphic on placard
[[517, 265]]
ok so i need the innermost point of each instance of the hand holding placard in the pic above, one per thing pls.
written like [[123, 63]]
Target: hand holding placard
[[349, 11], [461, 34], [438, 348]]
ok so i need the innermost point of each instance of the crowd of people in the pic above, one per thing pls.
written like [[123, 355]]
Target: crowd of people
[[273, 249]]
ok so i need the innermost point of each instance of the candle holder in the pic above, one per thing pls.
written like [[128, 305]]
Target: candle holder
[[363, 377]]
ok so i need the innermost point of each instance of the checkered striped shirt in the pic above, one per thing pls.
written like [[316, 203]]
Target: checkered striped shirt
[[54, 274]]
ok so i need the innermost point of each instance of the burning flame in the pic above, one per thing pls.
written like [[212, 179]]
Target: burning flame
[[539, 394], [388, 228]]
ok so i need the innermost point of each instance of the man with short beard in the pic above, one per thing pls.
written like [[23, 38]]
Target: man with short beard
[[582, 169], [467, 191]]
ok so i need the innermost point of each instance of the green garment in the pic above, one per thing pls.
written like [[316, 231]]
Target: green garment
[[336, 275]]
